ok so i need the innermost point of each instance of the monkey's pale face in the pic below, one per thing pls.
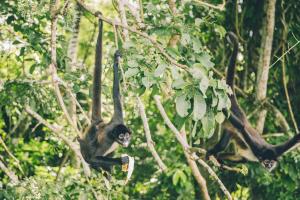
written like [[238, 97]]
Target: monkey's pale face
[[121, 134], [269, 164], [124, 139]]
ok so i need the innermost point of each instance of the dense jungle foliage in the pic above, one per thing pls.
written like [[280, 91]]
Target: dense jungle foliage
[[172, 49]]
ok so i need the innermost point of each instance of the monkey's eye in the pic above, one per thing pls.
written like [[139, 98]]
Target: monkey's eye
[[121, 136]]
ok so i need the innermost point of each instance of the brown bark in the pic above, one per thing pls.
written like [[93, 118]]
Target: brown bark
[[264, 60]]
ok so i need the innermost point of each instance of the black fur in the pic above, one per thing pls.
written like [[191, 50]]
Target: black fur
[[101, 139]]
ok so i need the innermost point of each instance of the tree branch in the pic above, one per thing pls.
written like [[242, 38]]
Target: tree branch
[[150, 142], [52, 66], [199, 178], [11, 155], [9, 173], [131, 29], [220, 7], [57, 130], [264, 59], [210, 171]]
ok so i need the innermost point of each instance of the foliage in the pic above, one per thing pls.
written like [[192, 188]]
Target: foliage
[[193, 97]]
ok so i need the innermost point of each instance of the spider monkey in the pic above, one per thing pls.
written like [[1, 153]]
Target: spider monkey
[[250, 146], [101, 139]]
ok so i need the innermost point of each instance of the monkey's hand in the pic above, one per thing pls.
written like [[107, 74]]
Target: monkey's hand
[[127, 166], [125, 160], [118, 54], [209, 153]]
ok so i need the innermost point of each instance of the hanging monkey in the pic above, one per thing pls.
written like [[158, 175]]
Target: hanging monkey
[[250, 145], [101, 139]]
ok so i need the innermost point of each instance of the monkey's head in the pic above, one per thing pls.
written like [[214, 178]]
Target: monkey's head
[[269, 164], [121, 134], [268, 160]]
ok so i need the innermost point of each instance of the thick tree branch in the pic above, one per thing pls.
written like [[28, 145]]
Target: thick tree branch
[[264, 60], [150, 142]]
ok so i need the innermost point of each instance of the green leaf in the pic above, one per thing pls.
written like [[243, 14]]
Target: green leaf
[[147, 81], [203, 85], [182, 105], [160, 70], [205, 60], [198, 72], [196, 45], [185, 39], [223, 102], [198, 21], [199, 107], [208, 125], [131, 72], [132, 64], [178, 83], [220, 117]]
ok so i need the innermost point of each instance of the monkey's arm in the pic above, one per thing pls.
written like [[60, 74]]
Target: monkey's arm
[[286, 146], [103, 160], [118, 112], [221, 145], [232, 157], [96, 105], [235, 108]]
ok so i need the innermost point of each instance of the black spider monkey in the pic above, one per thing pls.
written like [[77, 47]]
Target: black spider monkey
[[250, 146], [101, 139]]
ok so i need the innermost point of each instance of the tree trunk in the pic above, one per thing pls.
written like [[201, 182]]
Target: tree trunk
[[264, 60]]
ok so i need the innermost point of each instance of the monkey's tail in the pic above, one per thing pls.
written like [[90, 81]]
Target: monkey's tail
[[232, 39]]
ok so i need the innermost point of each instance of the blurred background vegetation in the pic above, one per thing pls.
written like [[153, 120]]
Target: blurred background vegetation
[[37, 164]]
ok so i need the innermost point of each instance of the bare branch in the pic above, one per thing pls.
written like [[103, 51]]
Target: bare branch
[[132, 29], [11, 155], [199, 178], [57, 130], [264, 59], [52, 66], [9, 173], [210, 171], [220, 7], [150, 142]]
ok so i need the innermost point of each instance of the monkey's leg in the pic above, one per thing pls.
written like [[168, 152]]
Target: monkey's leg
[[232, 157], [108, 161], [221, 145]]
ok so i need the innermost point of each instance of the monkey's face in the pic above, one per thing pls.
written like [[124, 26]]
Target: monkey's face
[[124, 139], [269, 164], [122, 135]]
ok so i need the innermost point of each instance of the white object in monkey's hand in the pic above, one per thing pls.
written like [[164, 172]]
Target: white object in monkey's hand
[[128, 167]]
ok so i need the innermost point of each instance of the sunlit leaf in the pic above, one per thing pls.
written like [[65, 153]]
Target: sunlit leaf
[[199, 107], [182, 105]]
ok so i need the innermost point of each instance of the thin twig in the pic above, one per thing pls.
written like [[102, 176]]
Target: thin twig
[[285, 53], [220, 7], [150, 142], [11, 155], [283, 65], [132, 29]]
